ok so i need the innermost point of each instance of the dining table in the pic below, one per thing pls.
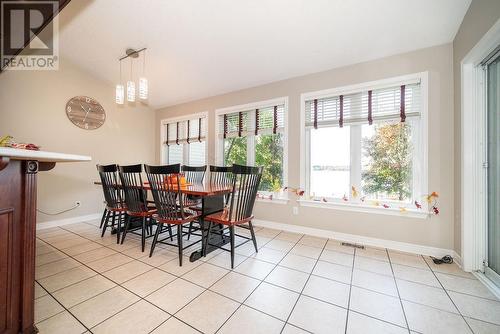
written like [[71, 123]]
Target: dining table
[[212, 198]]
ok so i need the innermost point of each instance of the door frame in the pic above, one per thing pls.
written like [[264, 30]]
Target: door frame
[[473, 152]]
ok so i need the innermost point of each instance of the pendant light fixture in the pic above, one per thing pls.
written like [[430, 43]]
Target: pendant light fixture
[[120, 90], [143, 81], [131, 85]]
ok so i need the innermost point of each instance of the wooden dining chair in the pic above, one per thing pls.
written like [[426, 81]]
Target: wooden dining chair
[[221, 176], [136, 200], [194, 175], [113, 196], [246, 182], [169, 204]]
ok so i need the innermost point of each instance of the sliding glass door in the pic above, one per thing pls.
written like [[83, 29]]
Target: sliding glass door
[[492, 268]]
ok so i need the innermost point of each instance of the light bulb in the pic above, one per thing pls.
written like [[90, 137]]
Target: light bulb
[[130, 91], [143, 88], [120, 94]]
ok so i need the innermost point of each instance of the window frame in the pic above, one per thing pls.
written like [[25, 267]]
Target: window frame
[[185, 147], [219, 143], [305, 142]]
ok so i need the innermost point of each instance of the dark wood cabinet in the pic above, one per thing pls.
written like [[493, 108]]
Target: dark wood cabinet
[[18, 185], [17, 245]]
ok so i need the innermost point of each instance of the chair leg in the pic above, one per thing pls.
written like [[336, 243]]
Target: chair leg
[[106, 222], [253, 236], [231, 232], [190, 228], [155, 239], [170, 232], [118, 226], [179, 242], [127, 224], [143, 234], [104, 214], [205, 245]]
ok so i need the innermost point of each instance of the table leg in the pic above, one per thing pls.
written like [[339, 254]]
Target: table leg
[[210, 205]]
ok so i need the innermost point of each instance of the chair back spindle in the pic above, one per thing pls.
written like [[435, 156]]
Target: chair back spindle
[[246, 181], [221, 176], [166, 194], [194, 174], [133, 188], [110, 186]]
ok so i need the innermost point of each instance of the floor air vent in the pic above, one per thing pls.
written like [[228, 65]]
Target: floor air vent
[[348, 244]]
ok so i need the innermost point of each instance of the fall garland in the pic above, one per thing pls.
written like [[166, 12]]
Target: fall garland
[[431, 199]]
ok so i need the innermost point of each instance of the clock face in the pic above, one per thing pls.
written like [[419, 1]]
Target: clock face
[[85, 112]]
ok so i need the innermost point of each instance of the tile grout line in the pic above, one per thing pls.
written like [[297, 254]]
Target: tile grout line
[[64, 307], [262, 281], [246, 259], [350, 291], [240, 303], [305, 284], [140, 297], [118, 284], [177, 277], [397, 290], [452, 301]]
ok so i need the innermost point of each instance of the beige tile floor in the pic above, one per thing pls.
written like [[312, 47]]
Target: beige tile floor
[[294, 284]]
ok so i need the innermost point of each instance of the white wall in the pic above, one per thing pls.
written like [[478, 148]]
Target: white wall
[[32, 109], [480, 17], [437, 231]]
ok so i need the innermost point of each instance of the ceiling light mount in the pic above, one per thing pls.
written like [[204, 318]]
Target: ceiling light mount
[[132, 53]]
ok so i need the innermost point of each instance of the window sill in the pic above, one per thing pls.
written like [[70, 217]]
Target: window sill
[[365, 209], [282, 201]]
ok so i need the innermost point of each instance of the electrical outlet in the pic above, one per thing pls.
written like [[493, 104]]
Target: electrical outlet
[[295, 210], [78, 203]]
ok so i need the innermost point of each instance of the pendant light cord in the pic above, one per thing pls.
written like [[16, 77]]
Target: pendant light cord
[[131, 78]]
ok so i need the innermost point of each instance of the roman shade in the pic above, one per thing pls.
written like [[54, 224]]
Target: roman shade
[[185, 131], [267, 120], [365, 107]]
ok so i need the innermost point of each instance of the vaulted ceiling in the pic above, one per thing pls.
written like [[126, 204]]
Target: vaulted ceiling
[[200, 48]]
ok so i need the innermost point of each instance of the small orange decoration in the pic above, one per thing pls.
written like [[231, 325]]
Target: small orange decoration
[[174, 181]]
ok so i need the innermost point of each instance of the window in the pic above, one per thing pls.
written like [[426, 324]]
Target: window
[[255, 135], [366, 145], [184, 140], [330, 172]]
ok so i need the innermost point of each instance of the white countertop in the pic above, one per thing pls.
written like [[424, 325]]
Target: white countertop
[[42, 156]]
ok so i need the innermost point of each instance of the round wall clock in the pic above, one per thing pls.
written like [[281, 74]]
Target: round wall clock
[[85, 112]]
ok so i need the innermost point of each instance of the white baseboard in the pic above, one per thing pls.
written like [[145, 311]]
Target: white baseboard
[[367, 241], [68, 221], [488, 283], [457, 259]]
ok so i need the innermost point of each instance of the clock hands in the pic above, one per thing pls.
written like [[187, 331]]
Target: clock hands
[[86, 114]]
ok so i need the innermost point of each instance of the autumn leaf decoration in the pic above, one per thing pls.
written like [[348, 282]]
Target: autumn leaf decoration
[[297, 191], [354, 192], [432, 200], [262, 196]]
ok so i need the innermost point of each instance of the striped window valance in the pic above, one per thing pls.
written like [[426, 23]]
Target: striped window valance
[[265, 120], [365, 107], [185, 131]]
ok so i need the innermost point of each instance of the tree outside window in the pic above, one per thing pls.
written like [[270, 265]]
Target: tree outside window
[[387, 167]]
